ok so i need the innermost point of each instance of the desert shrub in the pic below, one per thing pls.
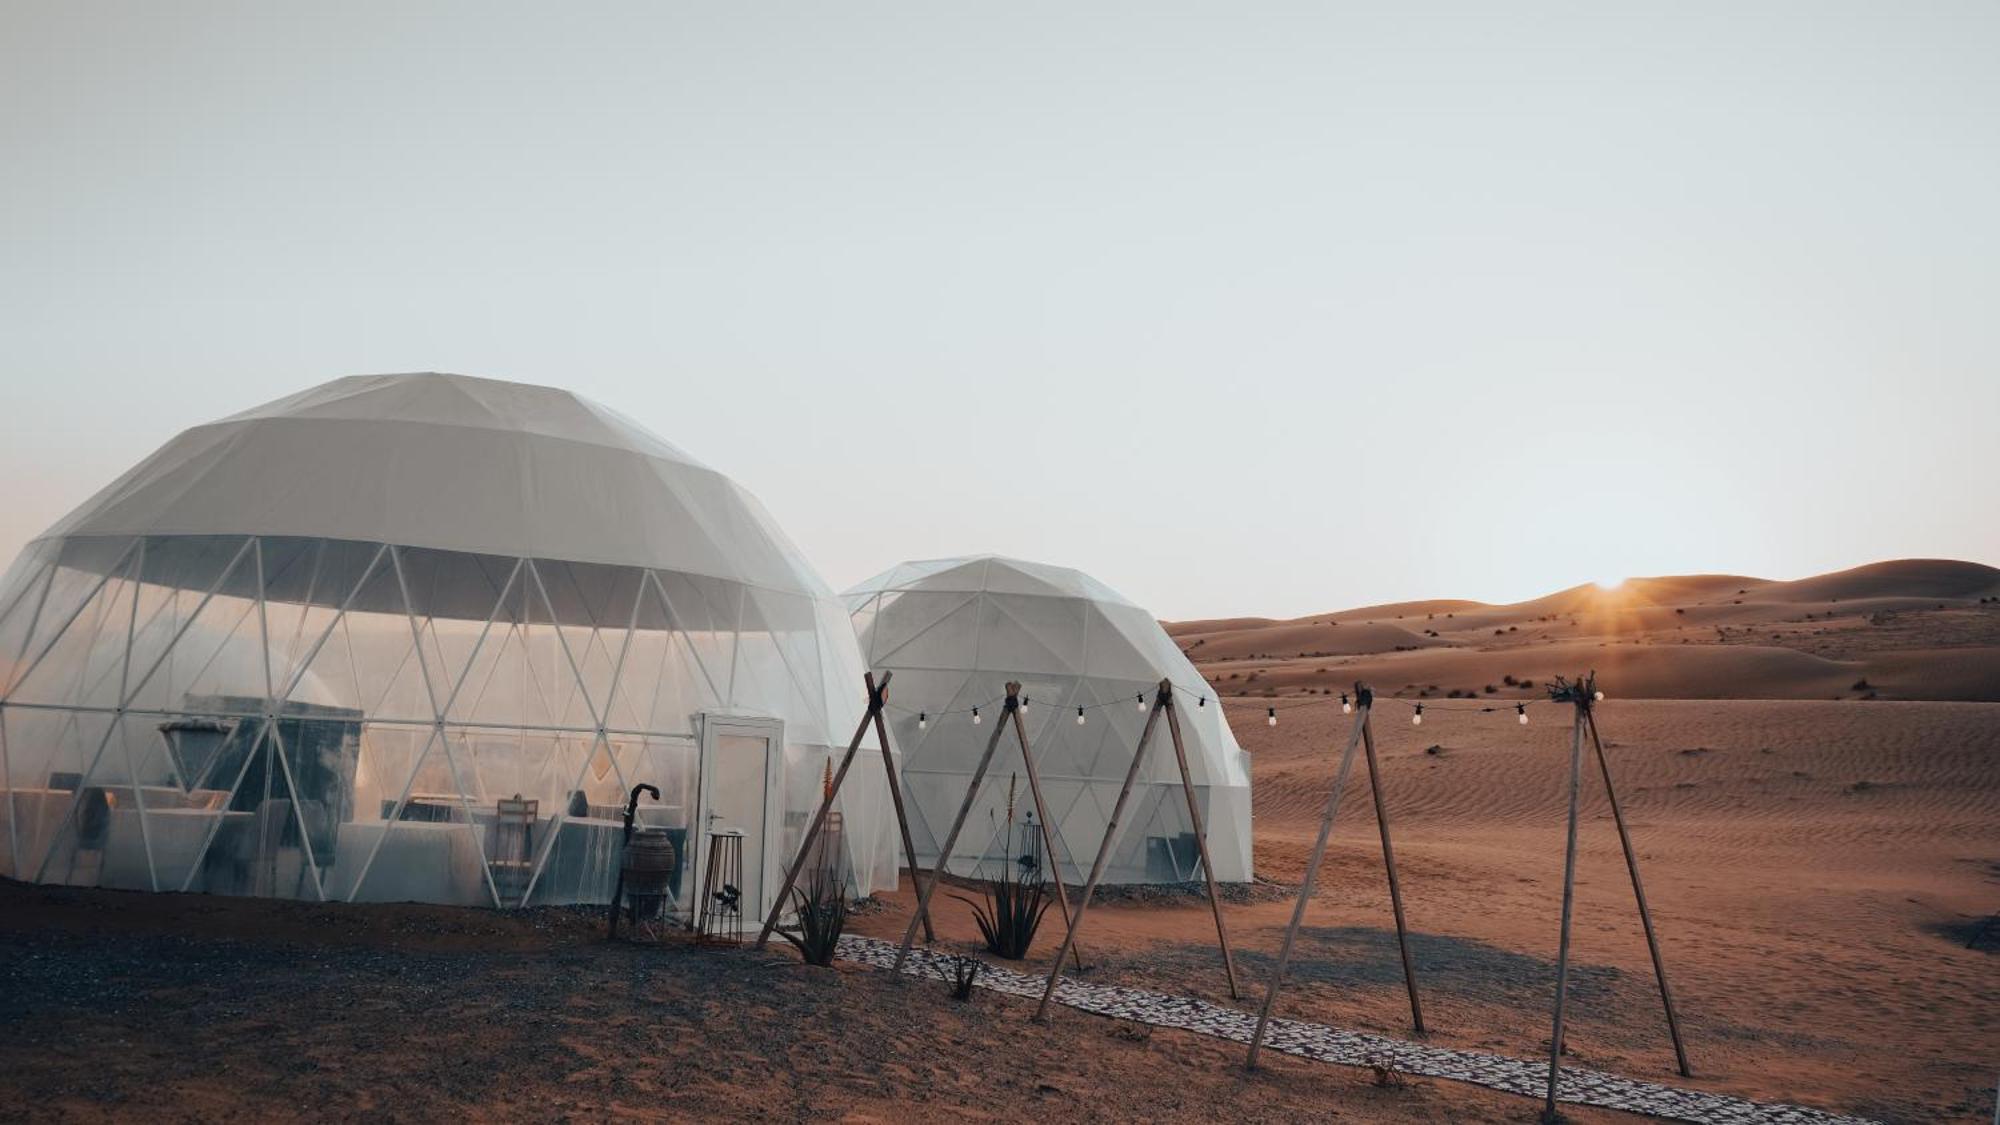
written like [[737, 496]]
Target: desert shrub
[[960, 971], [822, 913], [1861, 684], [1012, 906], [1010, 912]]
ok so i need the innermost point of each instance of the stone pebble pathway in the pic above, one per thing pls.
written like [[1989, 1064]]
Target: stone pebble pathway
[[1354, 1048]]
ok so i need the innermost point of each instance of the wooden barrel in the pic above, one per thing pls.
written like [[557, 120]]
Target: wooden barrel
[[649, 862]]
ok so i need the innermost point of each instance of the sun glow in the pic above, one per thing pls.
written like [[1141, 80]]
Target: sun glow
[[1608, 584]]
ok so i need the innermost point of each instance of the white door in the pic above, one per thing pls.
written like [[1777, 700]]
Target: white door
[[742, 774]]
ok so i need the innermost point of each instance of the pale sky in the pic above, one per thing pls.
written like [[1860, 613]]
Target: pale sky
[[1245, 308]]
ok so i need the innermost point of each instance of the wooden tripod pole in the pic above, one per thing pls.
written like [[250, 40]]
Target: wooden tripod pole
[[1639, 892], [1365, 700], [1103, 849], [1048, 832], [896, 795], [958, 823], [1569, 897], [877, 696], [1201, 842], [1395, 887]]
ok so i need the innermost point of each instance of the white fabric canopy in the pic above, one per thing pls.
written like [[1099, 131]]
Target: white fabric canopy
[[955, 631], [456, 463]]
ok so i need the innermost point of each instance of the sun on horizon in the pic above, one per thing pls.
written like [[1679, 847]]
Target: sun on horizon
[[1608, 584]]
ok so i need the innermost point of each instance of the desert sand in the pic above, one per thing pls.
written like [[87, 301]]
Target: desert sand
[[1811, 771]]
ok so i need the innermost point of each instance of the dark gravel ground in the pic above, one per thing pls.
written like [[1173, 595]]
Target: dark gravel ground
[[180, 1007]]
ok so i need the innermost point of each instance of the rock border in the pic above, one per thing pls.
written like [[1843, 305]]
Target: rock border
[[1354, 1048]]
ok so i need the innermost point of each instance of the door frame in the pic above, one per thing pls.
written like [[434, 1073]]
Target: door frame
[[713, 726]]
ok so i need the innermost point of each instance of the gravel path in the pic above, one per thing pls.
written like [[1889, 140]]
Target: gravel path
[[1351, 1048]]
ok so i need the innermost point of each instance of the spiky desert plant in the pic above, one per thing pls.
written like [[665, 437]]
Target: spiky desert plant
[[822, 911], [963, 970], [1015, 902], [1010, 914]]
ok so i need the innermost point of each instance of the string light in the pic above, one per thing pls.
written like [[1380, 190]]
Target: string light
[[923, 720], [1201, 702], [1079, 716], [1521, 709], [1141, 697], [975, 716], [1346, 708], [1417, 719], [1600, 697], [1271, 716]]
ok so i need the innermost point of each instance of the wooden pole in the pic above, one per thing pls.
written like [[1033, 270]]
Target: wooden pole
[[1366, 700], [1639, 892], [1103, 849], [1048, 832], [1395, 888], [902, 818], [877, 695], [1549, 1114], [957, 824], [1201, 842]]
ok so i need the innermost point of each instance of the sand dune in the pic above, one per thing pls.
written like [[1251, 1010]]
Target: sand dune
[[1910, 629], [1918, 578]]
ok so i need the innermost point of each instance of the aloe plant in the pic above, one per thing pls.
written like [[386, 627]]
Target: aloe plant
[[964, 971], [1015, 902], [822, 912], [1010, 913]]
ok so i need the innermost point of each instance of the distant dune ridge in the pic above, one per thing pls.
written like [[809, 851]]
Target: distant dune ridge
[[1906, 629]]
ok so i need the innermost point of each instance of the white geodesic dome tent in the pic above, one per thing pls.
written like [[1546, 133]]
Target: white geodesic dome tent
[[955, 631], [414, 637]]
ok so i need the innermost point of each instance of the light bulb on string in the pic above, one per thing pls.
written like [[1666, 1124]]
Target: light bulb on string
[[1202, 702], [1521, 709], [1417, 719], [1079, 716], [1346, 708], [923, 721], [975, 716], [1271, 716], [1141, 697], [1600, 697]]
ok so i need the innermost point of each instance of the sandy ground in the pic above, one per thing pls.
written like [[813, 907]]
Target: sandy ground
[[184, 1008], [1813, 787], [1811, 771]]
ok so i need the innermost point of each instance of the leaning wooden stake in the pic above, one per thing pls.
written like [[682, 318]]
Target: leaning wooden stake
[[1395, 886], [1201, 842], [896, 795], [1048, 831], [1104, 848], [958, 823], [1639, 892], [877, 696], [1365, 700], [1549, 1113]]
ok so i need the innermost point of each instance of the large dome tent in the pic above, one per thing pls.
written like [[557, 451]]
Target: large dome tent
[[956, 631], [415, 637]]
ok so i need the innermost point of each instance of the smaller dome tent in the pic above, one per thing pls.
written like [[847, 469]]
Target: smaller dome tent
[[956, 631], [416, 637]]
